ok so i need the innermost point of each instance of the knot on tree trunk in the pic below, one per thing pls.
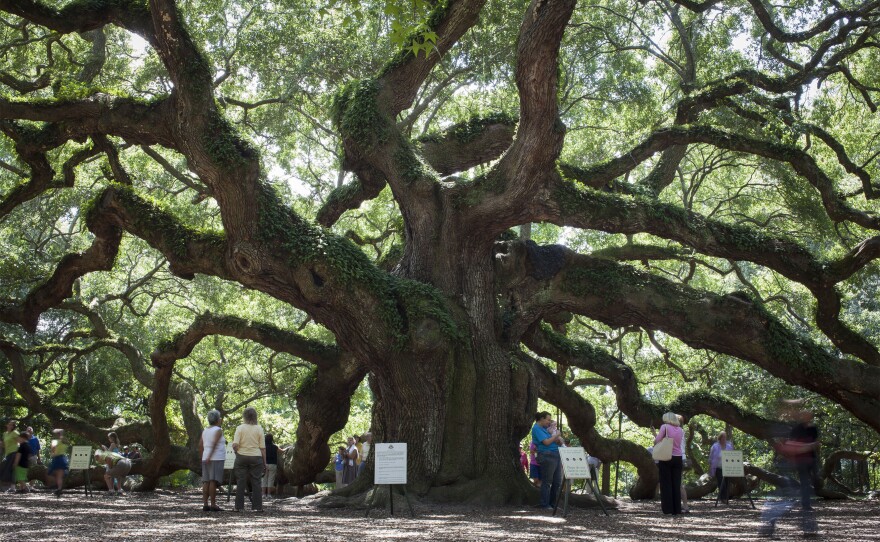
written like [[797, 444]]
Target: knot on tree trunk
[[246, 259]]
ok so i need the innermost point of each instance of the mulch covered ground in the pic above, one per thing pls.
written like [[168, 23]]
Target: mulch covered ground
[[178, 516]]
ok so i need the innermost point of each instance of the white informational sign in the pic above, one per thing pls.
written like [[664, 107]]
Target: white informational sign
[[732, 464], [390, 463], [229, 462], [574, 463], [80, 457]]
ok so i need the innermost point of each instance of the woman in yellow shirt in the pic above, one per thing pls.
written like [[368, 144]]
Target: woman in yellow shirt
[[60, 465], [249, 444]]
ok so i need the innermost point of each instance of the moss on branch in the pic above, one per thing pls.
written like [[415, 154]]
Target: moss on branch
[[401, 301], [468, 130], [152, 221], [356, 114], [224, 144]]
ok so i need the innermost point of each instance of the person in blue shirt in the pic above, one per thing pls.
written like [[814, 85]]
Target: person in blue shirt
[[546, 439], [338, 465]]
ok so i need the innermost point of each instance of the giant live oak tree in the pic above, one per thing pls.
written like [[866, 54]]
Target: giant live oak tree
[[606, 121]]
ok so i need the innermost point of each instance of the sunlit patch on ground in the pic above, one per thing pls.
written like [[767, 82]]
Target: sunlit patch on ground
[[178, 516]]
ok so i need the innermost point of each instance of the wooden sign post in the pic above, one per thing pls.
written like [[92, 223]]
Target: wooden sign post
[[575, 467], [81, 459], [390, 470], [732, 467], [228, 465]]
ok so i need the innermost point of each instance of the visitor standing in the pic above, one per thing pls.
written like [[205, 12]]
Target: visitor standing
[[720, 445], [21, 462], [59, 464], [10, 448], [34, 444], [358, 443], [112, 443], [349, 472], [269, 477], [212, 446], [547, 443], [364, 454], [249, 444], [670, 470], [534, 467], [339, 466]]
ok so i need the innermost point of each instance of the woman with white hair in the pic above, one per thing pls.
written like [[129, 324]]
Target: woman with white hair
[[715, 463], [249, 444], [212, 446], [670, 470]]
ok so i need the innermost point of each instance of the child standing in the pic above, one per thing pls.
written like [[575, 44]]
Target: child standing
[[60, 464], [21, 462], [338, 465]]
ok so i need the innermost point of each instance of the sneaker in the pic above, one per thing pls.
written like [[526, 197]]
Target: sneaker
[[206, 508], [110, 494], [120, 493], [57, 492], [215, 509]]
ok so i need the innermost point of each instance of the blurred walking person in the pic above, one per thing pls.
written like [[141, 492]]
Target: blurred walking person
[[795, 455]]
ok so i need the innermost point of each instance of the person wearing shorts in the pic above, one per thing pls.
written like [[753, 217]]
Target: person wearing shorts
[[212, 445], [59, 466], [271, 466], [21, 462], [117, 467]]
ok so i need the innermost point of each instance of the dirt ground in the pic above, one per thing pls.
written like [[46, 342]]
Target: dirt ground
[[178, 516]]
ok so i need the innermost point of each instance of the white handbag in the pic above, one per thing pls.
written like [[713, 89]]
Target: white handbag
[[663, 450]]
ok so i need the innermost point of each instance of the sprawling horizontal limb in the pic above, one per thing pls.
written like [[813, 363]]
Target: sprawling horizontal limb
[[619, 295], [135, 432], [630, 399], [187, 250], [84, 15], [137, 122], [279, 340], [800, 161], [98, 257], [599, 210]]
